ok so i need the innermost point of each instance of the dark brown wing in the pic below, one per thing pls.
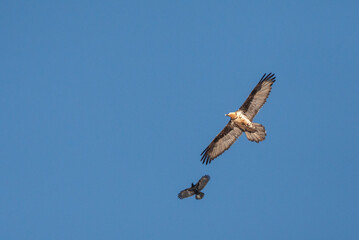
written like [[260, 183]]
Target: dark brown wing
[[258, 96], [202, 182], [186, 193], [221, 142]]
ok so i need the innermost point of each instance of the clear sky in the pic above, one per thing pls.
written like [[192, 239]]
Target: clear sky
[[105, 107]]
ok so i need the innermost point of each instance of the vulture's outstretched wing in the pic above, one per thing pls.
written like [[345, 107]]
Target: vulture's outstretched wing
[[221, 142], [186, 193], [202, 182], [258, 96]]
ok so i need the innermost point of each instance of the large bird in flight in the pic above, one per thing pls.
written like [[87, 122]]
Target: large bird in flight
[[195, 189], [241, 121]]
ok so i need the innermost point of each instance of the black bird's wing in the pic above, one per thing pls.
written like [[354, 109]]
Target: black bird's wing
[[202, 182], [186, 193]]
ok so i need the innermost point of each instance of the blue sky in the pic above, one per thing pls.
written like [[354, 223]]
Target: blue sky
[[106, 106]]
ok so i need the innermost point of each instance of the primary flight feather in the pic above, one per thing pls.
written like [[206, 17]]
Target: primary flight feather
[[241, 121]]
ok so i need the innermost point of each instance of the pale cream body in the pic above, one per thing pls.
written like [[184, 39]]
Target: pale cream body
[[240, 119]]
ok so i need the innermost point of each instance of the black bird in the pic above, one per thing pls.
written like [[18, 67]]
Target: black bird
[[195, 189]]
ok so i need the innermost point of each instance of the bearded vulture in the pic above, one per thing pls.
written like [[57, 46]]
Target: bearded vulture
[[195, 189], [241, 121]]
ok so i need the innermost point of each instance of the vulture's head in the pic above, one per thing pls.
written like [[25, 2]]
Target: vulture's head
[[232, 115]]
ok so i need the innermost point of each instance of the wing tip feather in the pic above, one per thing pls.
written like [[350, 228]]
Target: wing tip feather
[[205, 157], [270, 77]]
